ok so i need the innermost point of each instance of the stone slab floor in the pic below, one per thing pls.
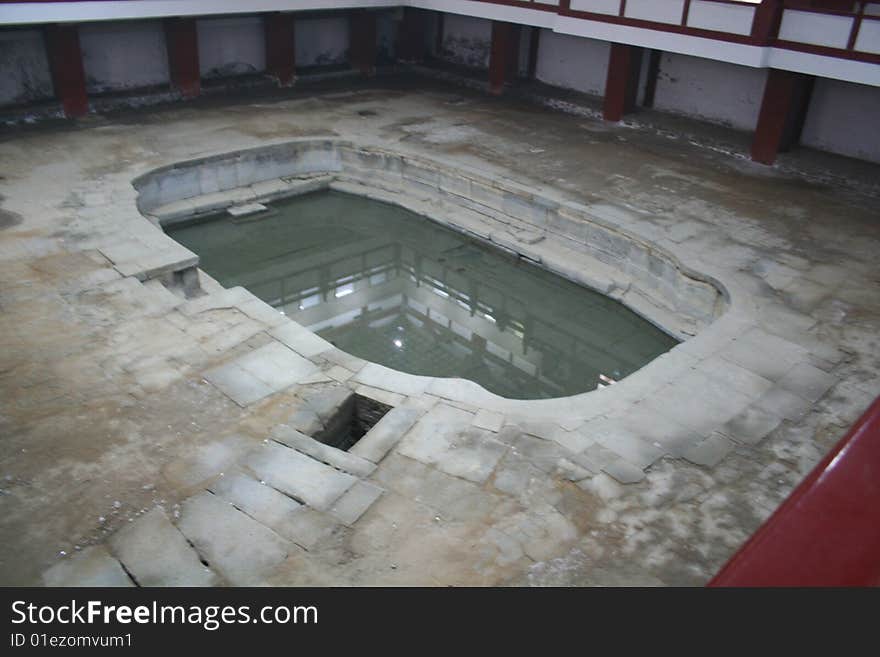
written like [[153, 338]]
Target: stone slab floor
[[146, 438]]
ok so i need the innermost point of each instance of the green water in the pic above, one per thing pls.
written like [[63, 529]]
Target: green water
[[393, 288]]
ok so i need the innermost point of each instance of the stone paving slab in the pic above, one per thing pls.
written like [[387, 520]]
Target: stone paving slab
[[281, 513], [489, 421], [92, 567], [300, 339], [624, 471], [751, 426], [623, 442], [379, 376], [239, 385], [208, 461], [807, 381], [781, 402], [246, 209], [276, 365], [445, 438], [765, 354], [386, 433], [298, 475], [718, 402], [241, 549], [325, 403], [355, 502], [710, 452], [332, 456], [157, 554]]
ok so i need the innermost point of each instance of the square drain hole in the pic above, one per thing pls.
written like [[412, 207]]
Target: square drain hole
[[351, 421]]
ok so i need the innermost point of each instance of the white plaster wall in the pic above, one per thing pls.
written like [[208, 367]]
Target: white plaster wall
[[573, 62], [24, 67], [661, 11], [321, 41], [231, 46], [710, 90], [842, 118], [466, 41], [123, 55]]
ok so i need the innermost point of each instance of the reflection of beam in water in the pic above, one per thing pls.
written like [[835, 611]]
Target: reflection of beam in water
[[533, 336]]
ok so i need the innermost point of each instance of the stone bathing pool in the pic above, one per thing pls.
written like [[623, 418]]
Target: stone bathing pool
[[535, 363], [393, 288]]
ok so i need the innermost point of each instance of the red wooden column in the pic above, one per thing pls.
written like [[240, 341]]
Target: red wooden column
[[182, 43], [765, 25], [783, 110], [622, 83], [503, 56], [65, 62], [362, 41], [280, 50]]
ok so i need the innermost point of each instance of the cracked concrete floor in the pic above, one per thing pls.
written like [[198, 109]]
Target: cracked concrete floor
[[105, 413]]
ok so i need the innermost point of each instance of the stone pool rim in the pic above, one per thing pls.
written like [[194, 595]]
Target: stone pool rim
[[732, 313]]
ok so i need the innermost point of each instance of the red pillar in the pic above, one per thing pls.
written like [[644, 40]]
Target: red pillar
[[182, 43], [280, 50], [412, 35], [65, 62], [362, 41], [783, 110], [768, 16], [622, 83], [503, 56]]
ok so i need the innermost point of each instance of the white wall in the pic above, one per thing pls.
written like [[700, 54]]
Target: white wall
[[124, 55], [24, 67], [573, 62], [321, 41], [710, 90], [466, 41], [842, 118], [231, 46]]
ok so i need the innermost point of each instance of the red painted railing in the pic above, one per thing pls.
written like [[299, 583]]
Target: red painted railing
[[827, 533]]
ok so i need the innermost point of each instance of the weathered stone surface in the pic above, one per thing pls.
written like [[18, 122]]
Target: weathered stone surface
[[336, 458], [780, 401], [241, 549], [300, 339], [239, 385], [355, 502], [284, 515], [623, 442], [157, 554], [276, 365], [260, 373], [624, 472], [298, 475], [208, 461], [751, 426], [710, 451], [385, 434], [489, 421], [444, 437], [378, 376], [764, 354], [807, 381], [92, 567]]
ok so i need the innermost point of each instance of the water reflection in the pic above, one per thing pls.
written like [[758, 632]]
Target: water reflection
[[398, 290]]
